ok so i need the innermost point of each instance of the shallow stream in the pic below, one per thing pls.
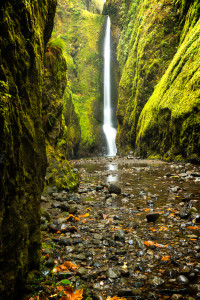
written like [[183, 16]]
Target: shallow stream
[[138, 231]]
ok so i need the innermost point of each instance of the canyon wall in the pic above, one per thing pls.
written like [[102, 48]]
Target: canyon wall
[[158, 106]]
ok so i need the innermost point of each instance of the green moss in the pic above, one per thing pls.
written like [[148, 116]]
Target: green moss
[[178, 93], [24, 32], [60, 175], [147, 44], [80, 30]]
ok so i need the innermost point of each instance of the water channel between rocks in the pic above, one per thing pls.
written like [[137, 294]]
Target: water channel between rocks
[[138, 229]]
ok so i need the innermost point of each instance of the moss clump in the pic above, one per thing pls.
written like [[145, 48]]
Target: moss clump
[[79, 30], [170, 122], [60, 175]]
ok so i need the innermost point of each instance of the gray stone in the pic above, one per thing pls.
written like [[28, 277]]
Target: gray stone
[[184, 270], [113, 273], [64, 241], [114, 189], [64, 206], [182, 279], [156, 281], [73, 209], [125, 292], [49, 263], [120, 236], [81, 272], [81, 257], [177, 297], [152, 217]]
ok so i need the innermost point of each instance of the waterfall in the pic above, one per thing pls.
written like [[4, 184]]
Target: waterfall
[[110, 132]]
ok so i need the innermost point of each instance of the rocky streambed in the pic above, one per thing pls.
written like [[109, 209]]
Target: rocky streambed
[[131, 230]]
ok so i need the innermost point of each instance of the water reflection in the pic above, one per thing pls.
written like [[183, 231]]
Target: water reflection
[[112, 177], [112, 167]]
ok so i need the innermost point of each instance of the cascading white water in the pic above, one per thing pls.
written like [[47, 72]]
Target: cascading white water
[[110, 132]]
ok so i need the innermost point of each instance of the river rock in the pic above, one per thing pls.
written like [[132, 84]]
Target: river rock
[[97, 296], [120, 236], [114, 189], [64, 207], [138, 243], [152, 217], [113, 273], [184, 213], [195, 287], [73, 209], [156, 281], [187, 197], [54, 227], [182, 279], [125, 292], [49, 263], [64, 241], [177, 297], [99, 188], [81, 272], [184, 270]]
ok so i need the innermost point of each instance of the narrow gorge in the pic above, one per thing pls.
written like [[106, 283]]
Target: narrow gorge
[[99, 149]]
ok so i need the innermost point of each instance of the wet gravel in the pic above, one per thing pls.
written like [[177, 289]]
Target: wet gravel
[[132, 229]]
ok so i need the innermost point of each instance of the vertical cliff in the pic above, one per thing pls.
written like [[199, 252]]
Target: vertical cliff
[[61, 123], [170, 121], [25, 27], [150, 38], [78, 29]]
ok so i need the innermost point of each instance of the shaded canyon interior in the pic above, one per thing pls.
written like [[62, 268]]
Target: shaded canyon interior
[[51, 102]]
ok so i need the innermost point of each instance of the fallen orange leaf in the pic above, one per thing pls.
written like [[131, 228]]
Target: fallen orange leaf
[[167, 257], [149, 243], [84, 216], [72, 218], [71, 295], [193, 227], [67, 265]]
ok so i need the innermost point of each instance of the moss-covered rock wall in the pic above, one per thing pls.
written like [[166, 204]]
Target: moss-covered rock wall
[[60, 121], [149, 35], [25, 27], [78, 32], [170, 121]]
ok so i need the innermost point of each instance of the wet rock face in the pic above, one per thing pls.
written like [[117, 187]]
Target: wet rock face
[[25, 27]]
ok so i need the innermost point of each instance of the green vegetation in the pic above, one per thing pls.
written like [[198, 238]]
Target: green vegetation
[[24, 32], [172, 113], [60, 121], [78, 31], [157, 51]]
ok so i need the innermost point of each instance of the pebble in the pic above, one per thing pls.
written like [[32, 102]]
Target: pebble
[[113, 273], [182, 279], [49, 263], [152, 217], [156, 281], [114, 189], [108, 245], [120, 236], [177, 297]]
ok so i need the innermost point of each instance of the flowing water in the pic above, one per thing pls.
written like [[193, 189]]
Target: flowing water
[[109, 130]]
